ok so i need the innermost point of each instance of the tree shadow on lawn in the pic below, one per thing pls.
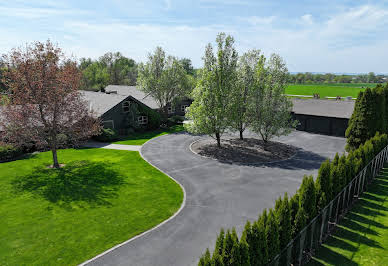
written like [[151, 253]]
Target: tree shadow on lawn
[[76, 183]]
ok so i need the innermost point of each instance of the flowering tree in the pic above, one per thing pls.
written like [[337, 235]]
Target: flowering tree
[[46, 106]]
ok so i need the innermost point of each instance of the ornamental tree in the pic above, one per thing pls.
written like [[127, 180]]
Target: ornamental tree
[[270, 109], [163, 78], [46, 106], [210, 110], [240, 96]]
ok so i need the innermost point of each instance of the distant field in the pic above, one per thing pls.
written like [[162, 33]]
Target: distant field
[[329, 90]]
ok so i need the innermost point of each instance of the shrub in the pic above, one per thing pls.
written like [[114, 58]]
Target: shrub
[[205, 260], [323, 185], [258, 229], [282, 208], [307, 198], [300, 221], [272, 235], [107, 135], [9, 152], [175, 120]]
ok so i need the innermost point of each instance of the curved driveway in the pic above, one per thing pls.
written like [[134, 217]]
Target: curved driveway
[[218, 195]]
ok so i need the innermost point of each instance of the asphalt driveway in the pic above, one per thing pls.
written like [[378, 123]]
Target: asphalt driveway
[[217, 195]]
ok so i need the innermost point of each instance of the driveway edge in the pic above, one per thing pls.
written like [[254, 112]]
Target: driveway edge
[[156, 226]]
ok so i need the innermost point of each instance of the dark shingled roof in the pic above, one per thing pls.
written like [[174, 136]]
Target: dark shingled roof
[[135, 92], [329, 108], [101, 102]]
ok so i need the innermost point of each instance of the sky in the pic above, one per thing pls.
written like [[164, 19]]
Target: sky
[[311, 36]]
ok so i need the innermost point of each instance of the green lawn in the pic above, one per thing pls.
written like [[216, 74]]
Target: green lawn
[[331, 90], [362, 237], [141, 138], [64, 217]]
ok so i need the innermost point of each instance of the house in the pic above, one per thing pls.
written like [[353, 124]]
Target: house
[[327, 117], [125, 107]]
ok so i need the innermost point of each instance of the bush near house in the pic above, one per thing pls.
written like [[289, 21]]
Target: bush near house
[[107, 135], [264, 241], [9, 152]]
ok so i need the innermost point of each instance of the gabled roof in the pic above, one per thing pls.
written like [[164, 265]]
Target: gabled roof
[[135, 92], [329, 108], [100, 102]]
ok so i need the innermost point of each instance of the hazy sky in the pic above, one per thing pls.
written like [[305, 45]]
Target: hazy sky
[[315, 36]]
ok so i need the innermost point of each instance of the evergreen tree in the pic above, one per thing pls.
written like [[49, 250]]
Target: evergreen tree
[[272, 235], [343, 171], [205, 260], [282, 208], [217, 260], [250, 235], [220, 242], [294, 207], [380, 116], [244, 253], [362, 125], [323, 185], [227, 248], [259, 230], [307, 199], [300, 222]]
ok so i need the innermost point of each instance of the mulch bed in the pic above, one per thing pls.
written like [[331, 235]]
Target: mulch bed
[[247, 151]]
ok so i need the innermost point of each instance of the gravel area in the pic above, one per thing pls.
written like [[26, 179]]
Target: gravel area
[[247, 151]]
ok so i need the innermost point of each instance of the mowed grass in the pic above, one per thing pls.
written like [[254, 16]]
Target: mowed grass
[[100, 198], [142, 137], [362, 236], [329, 90]]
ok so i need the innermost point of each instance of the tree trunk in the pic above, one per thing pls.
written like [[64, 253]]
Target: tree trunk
[[241, 134], [55, 158], [218, 140], [265, 144]]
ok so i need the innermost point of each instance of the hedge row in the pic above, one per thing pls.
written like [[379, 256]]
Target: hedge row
[[264, 238], [370, 115], [9, 152]]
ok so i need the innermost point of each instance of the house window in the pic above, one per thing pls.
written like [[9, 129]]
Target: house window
[[184, 108], [126, 106], [108, 124], [170, 110], [142, 120]]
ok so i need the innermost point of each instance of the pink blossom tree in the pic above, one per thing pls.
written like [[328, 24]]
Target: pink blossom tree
[[45, 105]]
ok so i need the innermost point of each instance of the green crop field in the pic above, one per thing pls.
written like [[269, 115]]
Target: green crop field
[[329, 90]]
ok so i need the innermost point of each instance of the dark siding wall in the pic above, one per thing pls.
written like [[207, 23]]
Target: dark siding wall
[[322, 125], [178, 107]]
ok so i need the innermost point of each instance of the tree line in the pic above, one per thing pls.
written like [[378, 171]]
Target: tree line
[[329, 78], [116, 69]]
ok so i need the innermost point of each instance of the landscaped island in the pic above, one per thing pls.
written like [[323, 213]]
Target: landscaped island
[[98, 199]]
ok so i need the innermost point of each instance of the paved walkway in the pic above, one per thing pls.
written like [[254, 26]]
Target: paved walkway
[[218, 195], [103, 145]]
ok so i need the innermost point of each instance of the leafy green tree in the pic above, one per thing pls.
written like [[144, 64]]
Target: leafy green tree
[[95, 77], [164, 78], [240, 97], [307, 198], [282, 208], [211, 107], [272, 235], [187, 65], [270, 109]]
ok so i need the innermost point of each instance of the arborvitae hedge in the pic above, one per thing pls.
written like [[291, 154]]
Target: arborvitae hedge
[[282, 208], [263, 239], [307, 197]]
